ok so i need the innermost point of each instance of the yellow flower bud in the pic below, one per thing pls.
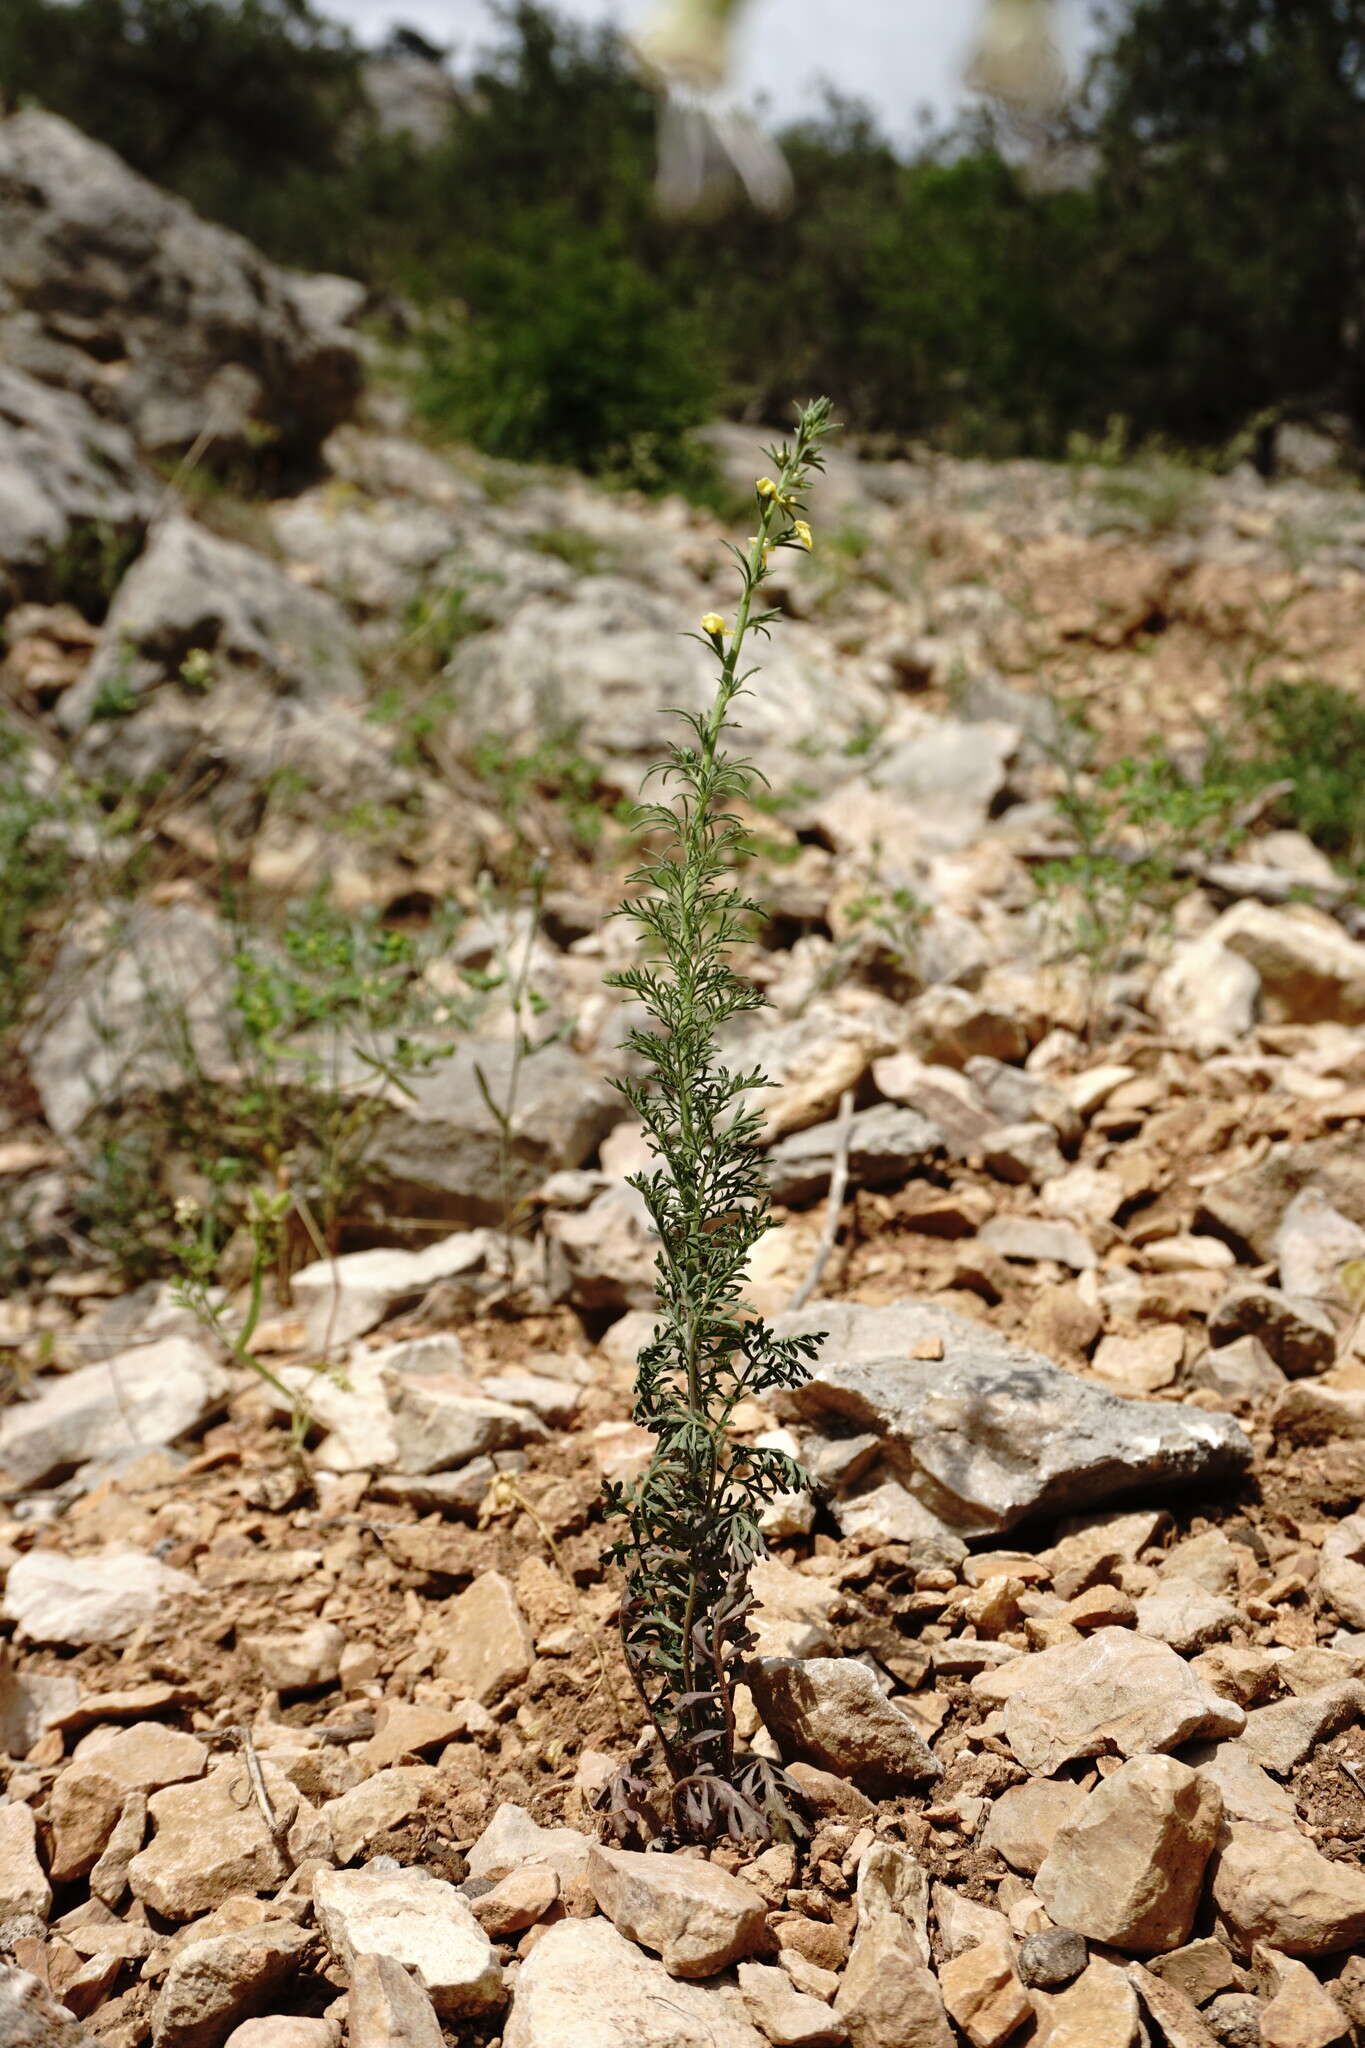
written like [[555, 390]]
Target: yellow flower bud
[[765, 487], [714, 625], [803, 535]]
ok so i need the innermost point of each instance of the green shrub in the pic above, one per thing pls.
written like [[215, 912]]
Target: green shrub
[[571, 353], [1312, 734]]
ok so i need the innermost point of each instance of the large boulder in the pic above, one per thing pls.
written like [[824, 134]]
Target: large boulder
[[215, 669], [986, 1433], [607, 662], [73, 499], [124, 295]]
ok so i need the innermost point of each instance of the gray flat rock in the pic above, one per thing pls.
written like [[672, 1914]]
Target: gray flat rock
[[993, 1433]]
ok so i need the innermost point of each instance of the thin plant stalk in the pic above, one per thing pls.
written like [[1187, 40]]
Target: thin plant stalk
[[693, 1519]]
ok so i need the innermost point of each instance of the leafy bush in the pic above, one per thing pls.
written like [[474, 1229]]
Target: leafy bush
[[1312, 735], [570, 353], [35, 865]]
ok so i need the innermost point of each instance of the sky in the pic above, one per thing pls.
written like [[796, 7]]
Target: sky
[[898, 55]]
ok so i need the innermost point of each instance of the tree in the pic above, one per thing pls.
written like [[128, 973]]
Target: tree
[[241, 106], [1231, 139]]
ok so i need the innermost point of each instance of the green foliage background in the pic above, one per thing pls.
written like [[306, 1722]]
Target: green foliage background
[[1199, 272]]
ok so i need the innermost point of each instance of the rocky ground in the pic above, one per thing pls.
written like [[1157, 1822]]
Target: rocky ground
[[1066, 1644]]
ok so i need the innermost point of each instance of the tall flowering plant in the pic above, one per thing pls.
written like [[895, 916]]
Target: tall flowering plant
[[691, 1522]]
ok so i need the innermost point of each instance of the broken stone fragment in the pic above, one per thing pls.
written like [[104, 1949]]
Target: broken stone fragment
[[983, 1994], [488, 1645], [388, 2008], [24, 1889], [829, 1711], [1113, 1693], [585, 1986], [1025, 1818], [418, 1921], [1275, 1886], [211, 1840], [992, 1433], [99, 1598], [693, 1915], [785, 2016], [153, 1395], [214, 1983], [512, 1839], [888, 1997], [1128, 1866]]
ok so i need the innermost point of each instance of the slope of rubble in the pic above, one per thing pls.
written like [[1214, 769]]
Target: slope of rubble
[[1066, 1644]]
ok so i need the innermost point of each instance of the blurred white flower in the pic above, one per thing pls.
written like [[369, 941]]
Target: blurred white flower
[[1016, 59], [708, 142]]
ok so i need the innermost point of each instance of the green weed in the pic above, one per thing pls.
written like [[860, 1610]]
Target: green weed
[[692, 1520]]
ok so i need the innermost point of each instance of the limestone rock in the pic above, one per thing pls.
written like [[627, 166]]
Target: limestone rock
[[102, 1038], [983, 1994], [1185, 1615], [1128, 1866], [888, 1997], [1280, 1736], [1309, 970], [585, 1986], [523, 1897], [1174, 2013], [212, 1984], [785, 2016], [153, 1395], [1273, 1885], [417, 1921], [24, 1888], [1201, 1969], [891, 1880], [209, 1842], [489, 1645], [828, 1711], [1205, 995], [142, 1758], [436, 1152], [1313, 1242], [82, 1812], [695, 1916], [99, 1598], [1113, 1693], [66, 477], [1025, 1818], [1100, 2010], [886, 1145], [388, 2008], [1246, 1790], [1341, 1574], [1296, 1331], [30, 1704], [1301, 2012], [513, 1839], [284, 2031], [441, 1420], [346, 1296], [301, 1661], [97, 265], [993, 1433], [359, 1818]]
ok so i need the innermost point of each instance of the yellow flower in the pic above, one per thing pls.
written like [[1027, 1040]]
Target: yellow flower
[[803, 535], [765, 487], [714, 625], [767, 547]]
